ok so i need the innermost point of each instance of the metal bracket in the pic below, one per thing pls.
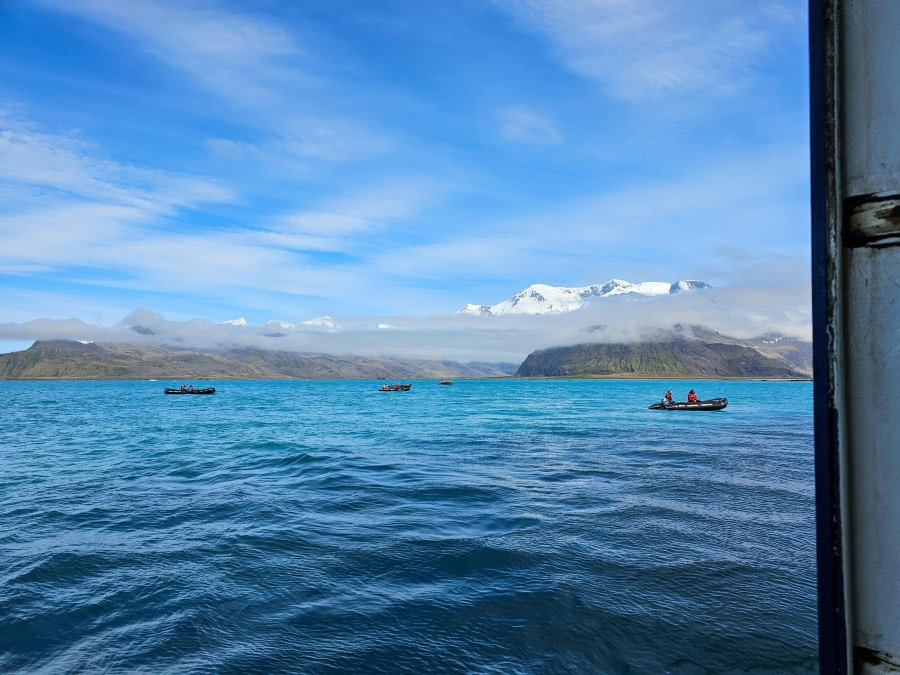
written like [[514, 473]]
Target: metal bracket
[[872, 220]]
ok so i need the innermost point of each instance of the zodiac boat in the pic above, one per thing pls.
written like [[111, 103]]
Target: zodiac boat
[[709, 404], [207, 390]]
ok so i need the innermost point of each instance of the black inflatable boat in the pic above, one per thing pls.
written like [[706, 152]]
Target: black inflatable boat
[[709, 404]]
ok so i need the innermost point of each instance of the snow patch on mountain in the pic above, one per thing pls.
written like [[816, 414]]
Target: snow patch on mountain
[[322, 322], [679, 286], [277, 325], [545, 299]]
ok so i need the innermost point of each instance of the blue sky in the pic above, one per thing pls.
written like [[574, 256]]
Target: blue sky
[[288, 160]]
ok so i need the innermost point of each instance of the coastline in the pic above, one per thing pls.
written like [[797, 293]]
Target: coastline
[[618, 376]]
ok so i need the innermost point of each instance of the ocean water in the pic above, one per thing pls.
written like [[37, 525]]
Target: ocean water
[[492, 526]]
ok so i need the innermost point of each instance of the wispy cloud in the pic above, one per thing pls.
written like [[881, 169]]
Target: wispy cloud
[[238, 56], [655, 48], [65, 167], [366, 207], [521, 124], [68, 206], [261, 70]]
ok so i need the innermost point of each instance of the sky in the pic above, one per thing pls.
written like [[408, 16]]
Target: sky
[[389, 162]]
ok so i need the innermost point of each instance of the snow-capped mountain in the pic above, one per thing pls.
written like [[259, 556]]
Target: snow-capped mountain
[[319, 322], [544, 299], [322, 322]]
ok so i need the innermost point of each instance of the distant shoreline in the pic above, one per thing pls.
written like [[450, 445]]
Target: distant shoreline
[[652, 376], [673, 360], [630, 376]]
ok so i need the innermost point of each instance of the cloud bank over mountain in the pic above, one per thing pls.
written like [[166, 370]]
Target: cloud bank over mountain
[[740, 311]]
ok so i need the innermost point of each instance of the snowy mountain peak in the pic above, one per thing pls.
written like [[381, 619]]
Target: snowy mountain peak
[[478, 310], [545, 299], [614, 284], [322, 322], [683, 285]]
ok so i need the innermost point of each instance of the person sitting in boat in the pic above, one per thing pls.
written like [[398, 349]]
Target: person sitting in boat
[[692, 397], [667, 399], [183, 388], [191, 388]]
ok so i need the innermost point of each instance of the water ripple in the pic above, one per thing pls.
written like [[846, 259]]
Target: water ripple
[[319, 527]]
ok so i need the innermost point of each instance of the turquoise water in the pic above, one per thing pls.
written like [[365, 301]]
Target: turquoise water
[[495, 526]]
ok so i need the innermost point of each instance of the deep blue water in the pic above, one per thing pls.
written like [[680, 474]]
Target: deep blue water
[[488, 527]]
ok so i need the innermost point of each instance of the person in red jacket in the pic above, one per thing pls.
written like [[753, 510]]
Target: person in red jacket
[[692, 397], [667, 399]]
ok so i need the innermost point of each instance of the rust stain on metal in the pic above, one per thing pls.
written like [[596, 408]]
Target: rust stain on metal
[[891, 215]]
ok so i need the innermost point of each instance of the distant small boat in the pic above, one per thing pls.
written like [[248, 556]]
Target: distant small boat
[[709, 404], [207, 390], [446, 382], [395, 387]]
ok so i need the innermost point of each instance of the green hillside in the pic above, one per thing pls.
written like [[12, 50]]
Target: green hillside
[[670, 358], [68, 359]]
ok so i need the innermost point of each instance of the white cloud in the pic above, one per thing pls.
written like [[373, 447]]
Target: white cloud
[[521, 124], [239, 56], [68, 206], [72, 234], [68, 168], [260, 69], [654, 48], [330, 139], [369, 206], [337, 224]]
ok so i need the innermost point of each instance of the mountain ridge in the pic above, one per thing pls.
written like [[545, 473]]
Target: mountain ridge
[[71, 359], [673, 354], [546, 299], [683, 352]]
